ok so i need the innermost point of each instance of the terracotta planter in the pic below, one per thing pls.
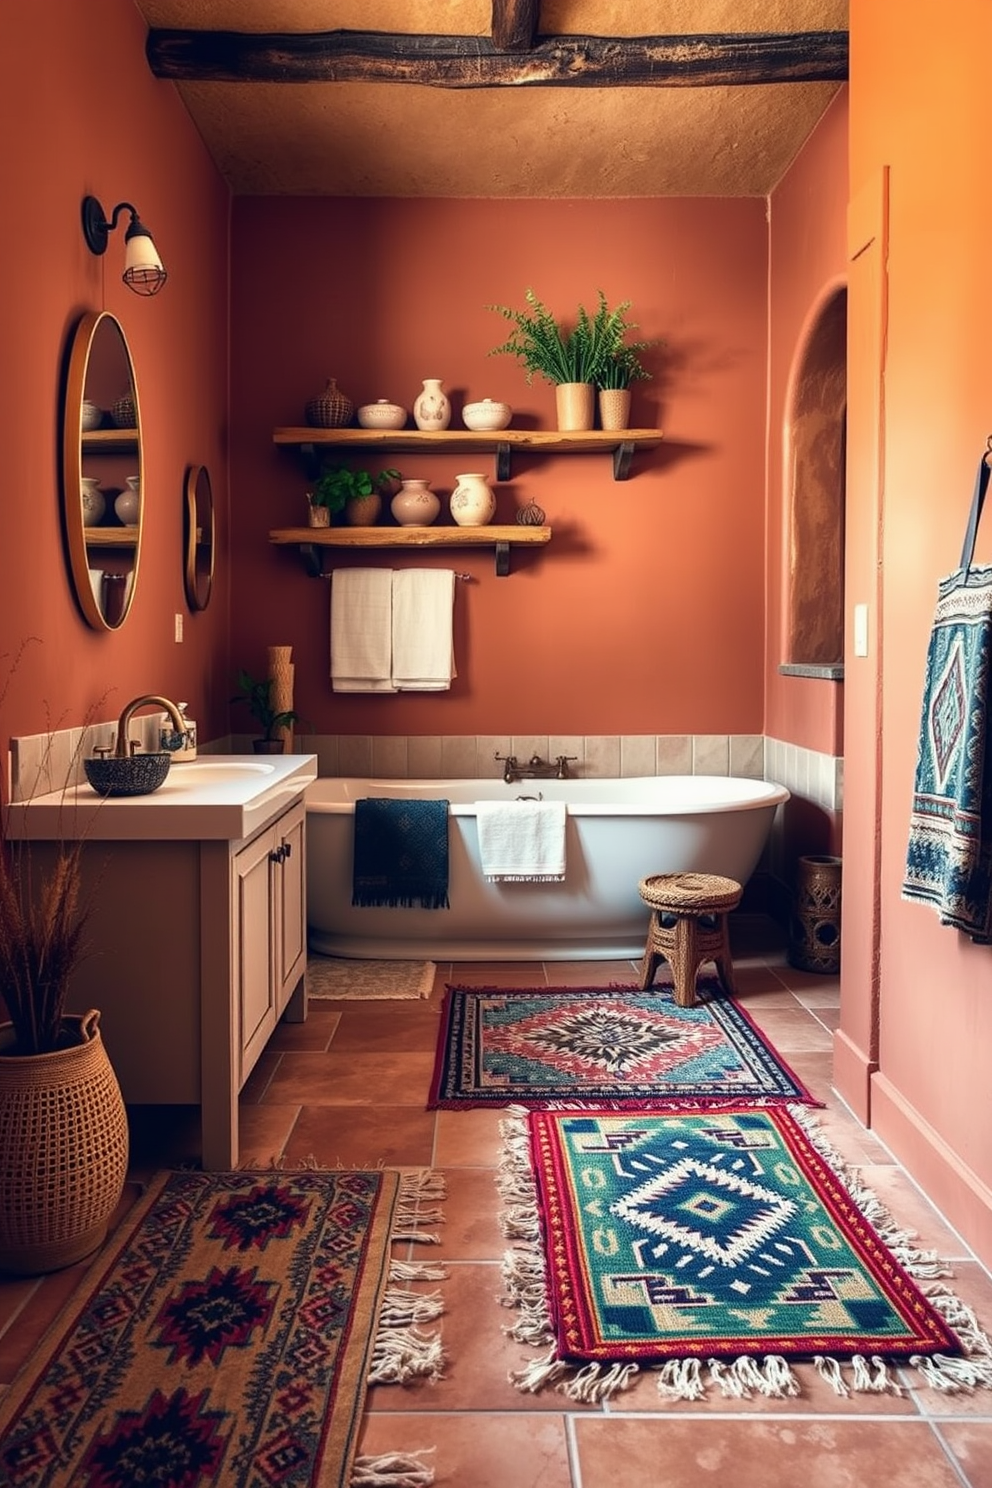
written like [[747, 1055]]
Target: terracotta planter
[[576, 404], [63, 1149], [363, 511], [614, 408]]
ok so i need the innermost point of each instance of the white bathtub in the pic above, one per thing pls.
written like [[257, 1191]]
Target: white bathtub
[[617, 832]]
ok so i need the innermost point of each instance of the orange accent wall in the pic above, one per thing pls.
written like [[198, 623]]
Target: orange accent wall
[[919, 107], [645, 613], [91, 119]]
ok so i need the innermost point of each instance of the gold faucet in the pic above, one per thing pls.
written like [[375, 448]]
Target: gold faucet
[[124, 747]]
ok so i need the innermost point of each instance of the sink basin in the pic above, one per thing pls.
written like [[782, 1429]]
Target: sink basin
[[218, 772], [135, 775]]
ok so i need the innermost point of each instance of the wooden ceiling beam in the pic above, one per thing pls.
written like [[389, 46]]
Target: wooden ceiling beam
[[474, 61], [514, 25]]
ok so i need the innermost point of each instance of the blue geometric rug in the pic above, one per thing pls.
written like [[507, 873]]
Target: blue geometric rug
[[715, 1248], [559, 1046]]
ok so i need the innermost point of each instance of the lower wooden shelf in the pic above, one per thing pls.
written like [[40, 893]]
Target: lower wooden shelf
[[310, 540]]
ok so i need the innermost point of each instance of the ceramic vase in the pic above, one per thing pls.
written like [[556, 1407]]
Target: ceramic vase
[[472, 502], [415, 505], [128, 503], [432, 410], [93, 499], [576, 405], [614, 408]]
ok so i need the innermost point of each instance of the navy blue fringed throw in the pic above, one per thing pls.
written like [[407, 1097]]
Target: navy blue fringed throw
[[401, 853]]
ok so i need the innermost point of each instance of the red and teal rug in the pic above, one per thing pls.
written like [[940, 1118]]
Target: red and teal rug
[[227, 1334], [716, 1248], [565, 1045]]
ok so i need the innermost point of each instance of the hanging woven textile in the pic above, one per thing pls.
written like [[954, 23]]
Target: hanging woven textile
[[949, 858]]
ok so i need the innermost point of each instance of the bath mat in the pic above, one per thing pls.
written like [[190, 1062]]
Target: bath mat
[[227, 1334], [726, 1239], [565, 1045], [334, 977]]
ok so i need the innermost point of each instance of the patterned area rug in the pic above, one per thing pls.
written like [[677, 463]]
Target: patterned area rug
[[226, 1335], [337, 977], [563, 1045], [726, 1239]]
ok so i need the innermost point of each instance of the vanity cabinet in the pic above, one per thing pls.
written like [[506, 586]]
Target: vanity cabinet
[[197, 949], [269, 931]]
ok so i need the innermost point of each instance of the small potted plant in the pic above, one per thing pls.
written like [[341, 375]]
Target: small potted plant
[[256, 694], [619, 368], [569, 359], [357, 493]]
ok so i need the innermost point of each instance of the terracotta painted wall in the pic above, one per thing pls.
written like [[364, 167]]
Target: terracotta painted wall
[[82, 114], [645, 612], [919, 106], [807, 264]]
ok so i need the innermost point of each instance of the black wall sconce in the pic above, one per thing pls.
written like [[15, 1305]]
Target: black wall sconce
[[143, 269]]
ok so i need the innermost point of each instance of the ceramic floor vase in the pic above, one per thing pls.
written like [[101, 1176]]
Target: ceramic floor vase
[[63, 1149]]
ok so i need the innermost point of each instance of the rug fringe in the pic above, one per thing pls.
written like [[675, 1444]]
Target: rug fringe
[[417, 1206], [525, 1290], [393, 1470], [401, 1350]]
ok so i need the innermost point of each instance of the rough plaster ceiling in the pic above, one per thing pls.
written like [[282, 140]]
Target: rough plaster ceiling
[[399, 139]]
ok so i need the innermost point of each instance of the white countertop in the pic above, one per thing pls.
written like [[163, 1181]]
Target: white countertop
[[229, 796]]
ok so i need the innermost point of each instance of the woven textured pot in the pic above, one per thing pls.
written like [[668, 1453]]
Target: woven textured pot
[[332, 410], [63, 1150], [614, 408], [363, 511]]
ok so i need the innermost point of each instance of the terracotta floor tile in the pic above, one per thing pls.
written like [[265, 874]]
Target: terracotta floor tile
[[910, 1209], [263, 1131], [469, 1138], [315, 1032], [680, 1453], [385, 1026], [760, 984], [475, 1450], [819, 996], [501, 974], [362, 1137], [471, 1229], [351, 1079], [816, 1398], [970, 1443], [590, 973], [791, 1030], [479, 1354], [972, 1284]]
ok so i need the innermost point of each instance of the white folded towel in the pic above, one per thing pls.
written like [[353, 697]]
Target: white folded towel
[[361, 630], [423, 656], [522, 841]]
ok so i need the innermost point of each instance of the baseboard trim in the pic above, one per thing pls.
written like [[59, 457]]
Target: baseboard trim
[[960, 1195], [853, 1072]]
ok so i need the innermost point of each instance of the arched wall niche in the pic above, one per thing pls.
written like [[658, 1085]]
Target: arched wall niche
[[815, 451]]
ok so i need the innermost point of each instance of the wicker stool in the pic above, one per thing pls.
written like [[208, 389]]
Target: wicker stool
[[688, 926]]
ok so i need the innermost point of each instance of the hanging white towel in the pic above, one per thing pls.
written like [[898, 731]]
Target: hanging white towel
[[522, 841], [423, 655], [361, 630]]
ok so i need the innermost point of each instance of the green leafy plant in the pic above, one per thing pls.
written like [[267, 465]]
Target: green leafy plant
[[338, 484], [256, 694], [593, 350]]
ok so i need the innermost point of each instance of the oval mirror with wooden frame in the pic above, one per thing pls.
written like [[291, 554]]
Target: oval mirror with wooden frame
[[198, 522], [102, 470]]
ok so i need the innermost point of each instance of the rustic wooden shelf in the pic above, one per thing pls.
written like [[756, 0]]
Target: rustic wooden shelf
[[111, 537], [620, 443], [310, 540], [109, 441]]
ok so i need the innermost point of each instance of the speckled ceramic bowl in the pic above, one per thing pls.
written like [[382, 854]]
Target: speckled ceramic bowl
[[382, 415], [137, 775], [486, 415]]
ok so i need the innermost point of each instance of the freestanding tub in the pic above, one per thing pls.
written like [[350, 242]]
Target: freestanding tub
[[617, 832]]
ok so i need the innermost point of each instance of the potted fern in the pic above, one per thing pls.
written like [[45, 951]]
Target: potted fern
[[574, 360]]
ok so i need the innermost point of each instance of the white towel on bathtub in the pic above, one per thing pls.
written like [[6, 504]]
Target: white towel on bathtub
[[362, 630], [522, 841]]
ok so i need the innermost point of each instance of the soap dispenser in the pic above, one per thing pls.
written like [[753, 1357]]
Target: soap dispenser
[[182, 746]]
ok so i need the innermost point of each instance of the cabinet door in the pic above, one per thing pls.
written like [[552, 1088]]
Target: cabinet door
[[289, 884], [254, 874]]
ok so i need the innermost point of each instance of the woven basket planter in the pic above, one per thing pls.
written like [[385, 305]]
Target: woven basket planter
[[63, 1150]]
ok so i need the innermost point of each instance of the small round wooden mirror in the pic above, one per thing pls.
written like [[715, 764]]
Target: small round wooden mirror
[[198, 524], [102, 470]]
